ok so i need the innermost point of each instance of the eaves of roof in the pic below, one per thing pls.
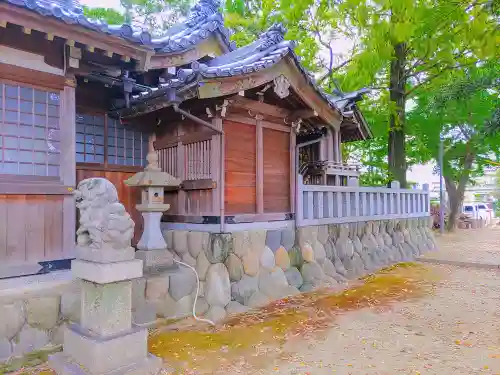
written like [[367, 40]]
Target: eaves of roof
[[267, 51], [204, 19]]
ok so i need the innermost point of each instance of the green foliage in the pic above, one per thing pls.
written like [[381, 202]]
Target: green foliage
[[438, 36], [154, 15], [442, 41], [111, 16], [464, 110]]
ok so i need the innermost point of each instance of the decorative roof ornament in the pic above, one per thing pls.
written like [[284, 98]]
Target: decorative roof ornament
[[201, 11], [281, 86], [274, 35]]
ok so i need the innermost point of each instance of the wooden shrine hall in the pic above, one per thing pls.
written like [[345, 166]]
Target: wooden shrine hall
[[80, 98]]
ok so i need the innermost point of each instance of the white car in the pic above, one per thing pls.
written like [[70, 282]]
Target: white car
[[478, 211]]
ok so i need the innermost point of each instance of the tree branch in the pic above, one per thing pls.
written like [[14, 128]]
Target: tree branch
[[332, 70], [434, 76]]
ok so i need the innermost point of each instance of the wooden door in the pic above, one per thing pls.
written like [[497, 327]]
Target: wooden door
[[240, 167]]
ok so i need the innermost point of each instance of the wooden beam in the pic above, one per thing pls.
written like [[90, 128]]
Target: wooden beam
[[31, 77], [258, 107], [16, 188], [302, 114], [265, 124], [169, 141], [205, 184]]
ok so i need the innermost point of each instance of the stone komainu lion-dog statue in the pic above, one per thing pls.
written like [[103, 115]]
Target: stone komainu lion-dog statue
[[104, 223]]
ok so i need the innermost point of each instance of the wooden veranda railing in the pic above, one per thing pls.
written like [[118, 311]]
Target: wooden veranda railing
[[187, 160], [321, 204]]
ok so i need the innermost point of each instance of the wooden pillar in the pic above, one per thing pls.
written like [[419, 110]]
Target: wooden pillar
[[68, 163], [259, 173], [330, 151], [293, 170], [181, 171], [217, 174], [336, 145], [323, 148], [339, 146]]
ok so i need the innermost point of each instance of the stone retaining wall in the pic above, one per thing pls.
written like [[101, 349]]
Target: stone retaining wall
[[35, 323], [248, 269], [238, 271]]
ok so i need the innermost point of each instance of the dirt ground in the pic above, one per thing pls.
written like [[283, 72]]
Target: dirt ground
[[470, 245], [410, 319], [456, 330]]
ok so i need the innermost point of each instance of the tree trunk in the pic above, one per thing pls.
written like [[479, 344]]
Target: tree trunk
[[396, 146], [456, 192]]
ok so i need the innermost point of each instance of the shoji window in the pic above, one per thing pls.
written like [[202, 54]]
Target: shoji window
[[29, 131]]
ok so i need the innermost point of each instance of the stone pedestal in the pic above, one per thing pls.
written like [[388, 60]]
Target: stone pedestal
[[152, 238], [106, 342]]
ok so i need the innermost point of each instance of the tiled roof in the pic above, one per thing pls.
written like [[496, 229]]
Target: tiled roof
[[262, 54], [345, 102], [203, 20]]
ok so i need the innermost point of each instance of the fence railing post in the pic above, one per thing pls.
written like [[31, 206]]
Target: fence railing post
[[299, 207], [397, 204], [427, 200]]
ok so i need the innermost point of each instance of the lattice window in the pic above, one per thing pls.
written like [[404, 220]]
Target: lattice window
[[100, 139], [90, 138], [29, 131], [126, 146]]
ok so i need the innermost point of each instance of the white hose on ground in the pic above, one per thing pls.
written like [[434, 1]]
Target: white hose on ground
[[158, 321], [196, 295]]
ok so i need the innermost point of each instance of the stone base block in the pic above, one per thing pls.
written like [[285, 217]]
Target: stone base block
[[105, 273], [105, 255], [63, 365], [98, 355], [155, 259]]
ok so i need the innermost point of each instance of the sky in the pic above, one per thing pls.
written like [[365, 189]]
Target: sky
[[419, 173]]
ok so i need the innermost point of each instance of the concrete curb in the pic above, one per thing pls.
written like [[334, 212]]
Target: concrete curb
[[486, 266]]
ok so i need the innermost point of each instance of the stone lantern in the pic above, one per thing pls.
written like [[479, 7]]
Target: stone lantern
[[152, 248]]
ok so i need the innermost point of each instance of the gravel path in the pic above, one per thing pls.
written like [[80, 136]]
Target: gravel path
[[454, 331], [469, 245]]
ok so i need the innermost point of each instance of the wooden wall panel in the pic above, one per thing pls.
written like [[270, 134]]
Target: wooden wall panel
[[31, 229], [276, 171], [170, 198], [128, 196], [240, 167], [199, 202]]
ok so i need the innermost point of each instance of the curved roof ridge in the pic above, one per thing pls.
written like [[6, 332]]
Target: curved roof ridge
[[268, 50], [204, 18]]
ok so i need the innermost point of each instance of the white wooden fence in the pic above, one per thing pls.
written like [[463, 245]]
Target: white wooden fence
[[320, 204]]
